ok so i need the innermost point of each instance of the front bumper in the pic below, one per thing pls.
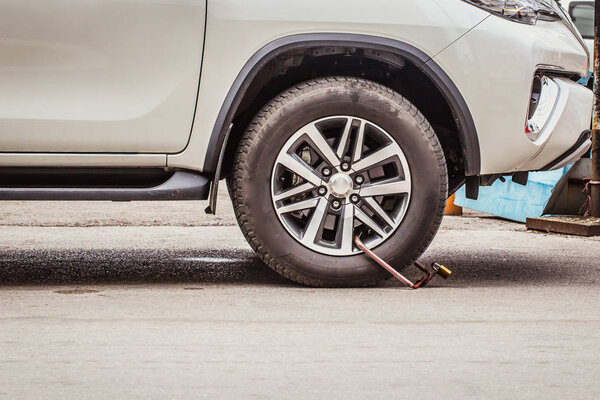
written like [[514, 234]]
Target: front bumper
[[493, 67], [571, 115], [580, 147]]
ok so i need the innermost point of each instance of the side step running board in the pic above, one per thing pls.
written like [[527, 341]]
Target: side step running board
[[181, 185]]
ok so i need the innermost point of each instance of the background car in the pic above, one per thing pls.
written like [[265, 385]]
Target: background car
[[582, 14]]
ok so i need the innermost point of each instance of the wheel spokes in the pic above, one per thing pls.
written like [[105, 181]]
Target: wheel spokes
[[299, 206], [385, 188], [296, 190], [341, 150], [360, 140], [347, 236], [368, 221], [316, 221], [321, 144], [300, 168], [349, 177], [380, 212], [377, 157]]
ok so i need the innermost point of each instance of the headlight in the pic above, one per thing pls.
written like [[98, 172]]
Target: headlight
[[525, 11]]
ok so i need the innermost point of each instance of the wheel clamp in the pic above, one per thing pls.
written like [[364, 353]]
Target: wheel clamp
[[436, 268]]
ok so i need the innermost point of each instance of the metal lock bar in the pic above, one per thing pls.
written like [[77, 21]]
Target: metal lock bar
[[436, 269]]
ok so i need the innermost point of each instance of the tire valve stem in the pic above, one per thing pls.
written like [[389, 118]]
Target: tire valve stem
[[436, 268]]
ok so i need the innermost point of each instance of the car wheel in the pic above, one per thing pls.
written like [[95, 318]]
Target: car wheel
[[330, 159]]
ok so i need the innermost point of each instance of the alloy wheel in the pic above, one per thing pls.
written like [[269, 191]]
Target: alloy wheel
[[339, 177]]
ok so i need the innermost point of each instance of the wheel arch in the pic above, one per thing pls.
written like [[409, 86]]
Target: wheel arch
[[386, 51]]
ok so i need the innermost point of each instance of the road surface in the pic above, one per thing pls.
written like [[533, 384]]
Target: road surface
[[157, 300]]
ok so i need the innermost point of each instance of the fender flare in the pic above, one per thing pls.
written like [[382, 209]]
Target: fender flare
[[220, 133]]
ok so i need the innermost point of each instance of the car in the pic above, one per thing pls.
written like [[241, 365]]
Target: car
[[582, 15], [330, 120]]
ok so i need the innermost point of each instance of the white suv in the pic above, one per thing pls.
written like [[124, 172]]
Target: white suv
[[329, 119]]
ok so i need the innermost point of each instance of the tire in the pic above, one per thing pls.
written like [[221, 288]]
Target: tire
[[255, 175]]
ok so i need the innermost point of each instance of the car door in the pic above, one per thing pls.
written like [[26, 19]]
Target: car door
[[99, 76]]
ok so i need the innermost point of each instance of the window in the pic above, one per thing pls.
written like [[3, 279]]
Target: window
[[582, 14]]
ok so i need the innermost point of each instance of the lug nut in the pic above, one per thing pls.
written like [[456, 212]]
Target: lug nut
[[322, 191], [359, 180], [354, 198], [326, 171], [336, 204], [345, 166]]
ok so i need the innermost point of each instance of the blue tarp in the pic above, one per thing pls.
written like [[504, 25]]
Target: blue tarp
[[513, 201]]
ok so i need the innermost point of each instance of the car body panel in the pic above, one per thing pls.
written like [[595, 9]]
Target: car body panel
[[99, 76], [237, 30], [499, 59], [79, 160], [303, 42], [571, 110]]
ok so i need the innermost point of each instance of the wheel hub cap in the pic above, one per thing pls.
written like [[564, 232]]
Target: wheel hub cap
[[340, 185]]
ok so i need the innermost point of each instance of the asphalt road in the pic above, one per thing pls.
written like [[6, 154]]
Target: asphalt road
[[155, 300]]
